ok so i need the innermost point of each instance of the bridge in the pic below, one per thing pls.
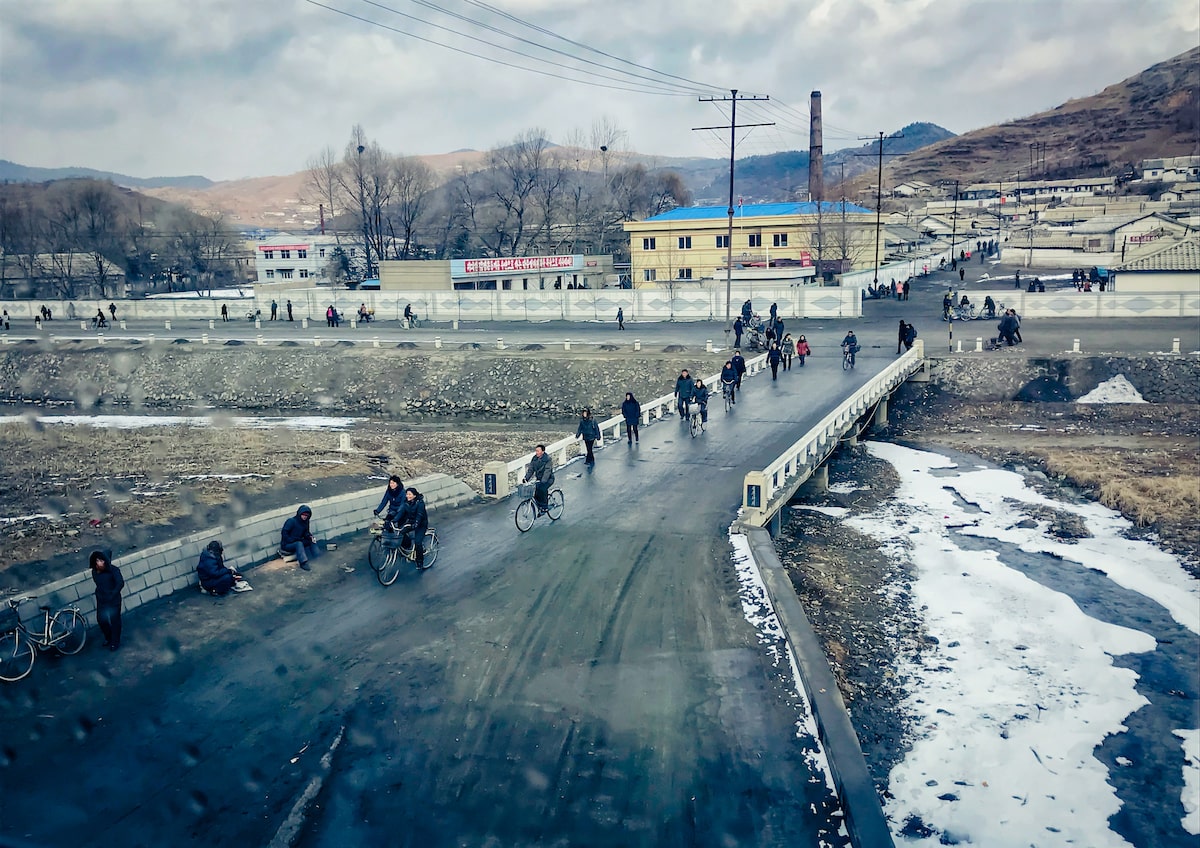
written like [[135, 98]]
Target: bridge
[[594, 681]]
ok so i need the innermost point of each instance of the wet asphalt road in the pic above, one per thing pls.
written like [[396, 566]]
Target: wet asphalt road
[[591, 682]]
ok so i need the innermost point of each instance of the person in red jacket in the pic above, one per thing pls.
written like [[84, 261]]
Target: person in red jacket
[[802, 349]]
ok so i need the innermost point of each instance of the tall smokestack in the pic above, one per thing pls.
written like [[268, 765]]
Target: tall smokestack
[[816, 155]]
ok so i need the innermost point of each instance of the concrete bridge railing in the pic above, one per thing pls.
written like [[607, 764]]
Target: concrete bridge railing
[[766, 492], [500, 477]]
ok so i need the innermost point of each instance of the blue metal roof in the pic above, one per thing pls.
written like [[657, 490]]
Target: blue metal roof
[[696, 213]]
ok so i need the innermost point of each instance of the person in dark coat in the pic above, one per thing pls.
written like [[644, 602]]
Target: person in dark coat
[[729, 377], [685, 387], [109, 584], [900, 336], [774, 357], [631, 411], [739, 365], [738, 329], [274, 309], [540, 469], [589, 431], [1006, 328], [620, 318], [215, 576], [910, 336], [393, 497], [700, 395], [413, 515], [295, 538], [289, 310]]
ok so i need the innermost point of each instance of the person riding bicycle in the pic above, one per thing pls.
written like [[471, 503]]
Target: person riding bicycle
[[700, 395], [947, 304], [408, 315], [685, 387], [850, 345], [393, 497], [412, 518], [540, 469], [739, 365], [729, 377]]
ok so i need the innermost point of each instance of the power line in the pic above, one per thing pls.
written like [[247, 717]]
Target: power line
[[492, 59]]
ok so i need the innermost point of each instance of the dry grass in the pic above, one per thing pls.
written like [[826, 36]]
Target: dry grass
[[1145, 486]]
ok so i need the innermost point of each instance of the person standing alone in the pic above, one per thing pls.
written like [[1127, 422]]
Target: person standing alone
[[109, 584], [631, 411], [589, 431], [620, 318]]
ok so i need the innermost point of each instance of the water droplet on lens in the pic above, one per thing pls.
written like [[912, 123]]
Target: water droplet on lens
[[190, 755]]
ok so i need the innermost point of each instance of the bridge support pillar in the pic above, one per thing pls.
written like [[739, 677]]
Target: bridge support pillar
[[852, 436], [775, 525], [881, 413], [817, 483], [495, 480]]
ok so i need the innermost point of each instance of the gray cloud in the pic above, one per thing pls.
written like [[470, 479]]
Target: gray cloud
[[229, 89]]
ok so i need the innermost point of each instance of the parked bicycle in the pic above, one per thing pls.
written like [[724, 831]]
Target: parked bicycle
[[392, 546], [528, 509], [65, 631]]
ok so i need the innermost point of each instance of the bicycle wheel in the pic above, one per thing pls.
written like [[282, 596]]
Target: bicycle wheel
[[431, 548], [390, 569], [555, 503], [16, 656], [375, 554], [696, 426], [68, 631], [728, 400], [845, 362], [525, 515]]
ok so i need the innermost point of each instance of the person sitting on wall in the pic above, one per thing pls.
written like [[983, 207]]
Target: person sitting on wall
[[216, 578], [296, 538]]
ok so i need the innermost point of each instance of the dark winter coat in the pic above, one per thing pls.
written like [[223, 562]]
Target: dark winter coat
[[213, 573], [738, 327], [774, 355], [413, 512], [392, 498], [739, 363], [729, 374], [295, 529], [631, 410], [540, 468], [588, 429], [700, 395], [109, 582], [684, 388]]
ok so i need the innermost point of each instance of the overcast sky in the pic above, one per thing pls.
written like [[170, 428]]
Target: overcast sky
[[238, 88]]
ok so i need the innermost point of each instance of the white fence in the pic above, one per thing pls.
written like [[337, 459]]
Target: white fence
[[764, 489], [918, 266], [1094, 304], [683, 302]]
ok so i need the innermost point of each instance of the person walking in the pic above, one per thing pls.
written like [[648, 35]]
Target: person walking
[[774, 357], [589, 431], [289, 310], [329, 316], [788, 349], [109, 584], [685, 387], [112, 310], [4, 320], [738, 329], [224, 312], [802, 349], [274, 309], [631, 411], [905, 288], [962, 273], [620, 318], [900, 336]]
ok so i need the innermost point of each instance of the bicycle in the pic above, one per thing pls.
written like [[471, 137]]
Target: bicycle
[[695, 419], [965, 313], [848, 358], [727, 394], [529, 509], [65, 631], [392, 545]]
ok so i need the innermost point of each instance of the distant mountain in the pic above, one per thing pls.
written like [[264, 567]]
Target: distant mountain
[[11, 172], [1155, 113]]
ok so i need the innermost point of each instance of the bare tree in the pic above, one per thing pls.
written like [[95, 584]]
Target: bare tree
[[413, 182], [516, 170], [323, 185]]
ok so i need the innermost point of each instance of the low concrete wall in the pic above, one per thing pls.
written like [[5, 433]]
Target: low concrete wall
[[161, 570], [1094, 304]]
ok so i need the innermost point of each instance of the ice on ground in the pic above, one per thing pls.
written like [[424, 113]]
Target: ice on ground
[[831, 511], [847, 487], [1116, 390], [1007, 712], [1191, 779]]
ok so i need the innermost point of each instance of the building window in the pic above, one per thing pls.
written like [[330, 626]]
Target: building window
[[285, 273], [648, 244], [304, 273], [756, 239], [685, 273], [685, 242], [353, 251], [268, 254], [780, 239], [285, 254], [301, 254], [649, 275], [270, 274], [322, 253], [722, 241]]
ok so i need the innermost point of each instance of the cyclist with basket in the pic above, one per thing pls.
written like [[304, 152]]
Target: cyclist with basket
[[412, 519], [393, 497], [541, 470], [850, 347]]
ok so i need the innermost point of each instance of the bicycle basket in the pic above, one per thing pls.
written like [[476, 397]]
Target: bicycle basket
[[391, 539], [693, 409], [525, 490], [9, 618]]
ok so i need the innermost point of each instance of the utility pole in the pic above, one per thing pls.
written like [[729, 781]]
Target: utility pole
[[879, 196], [733, 128]]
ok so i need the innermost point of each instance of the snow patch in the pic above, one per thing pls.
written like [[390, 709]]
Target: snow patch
[[1116, 390], [831, 511], [1191, 779]]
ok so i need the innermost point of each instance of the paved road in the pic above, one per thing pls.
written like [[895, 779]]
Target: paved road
[[592, 682]]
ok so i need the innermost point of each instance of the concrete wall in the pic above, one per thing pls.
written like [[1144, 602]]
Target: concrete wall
[[1094, 304], [1160, 379], [161, 570]]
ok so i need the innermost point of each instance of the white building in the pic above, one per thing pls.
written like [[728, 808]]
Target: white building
[[304, 260], [1174, 169]]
